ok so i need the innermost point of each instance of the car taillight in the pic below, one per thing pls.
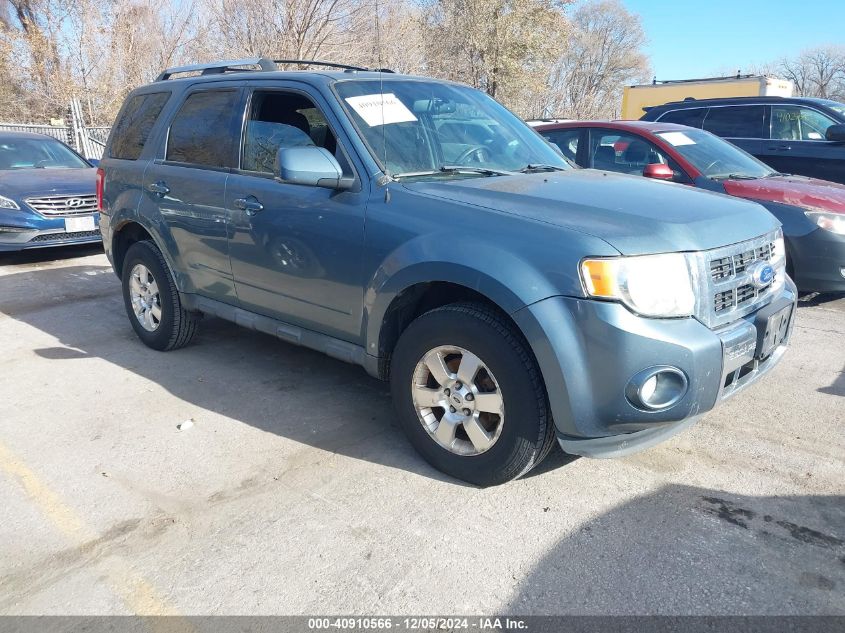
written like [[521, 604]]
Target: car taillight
[[100, 177]]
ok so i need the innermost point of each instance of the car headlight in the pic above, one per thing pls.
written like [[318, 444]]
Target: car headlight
[[8, 203], [650, 285], [834, 222]]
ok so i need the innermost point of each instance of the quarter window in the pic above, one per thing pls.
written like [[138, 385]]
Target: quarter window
[[132, 129], [200, 132], [795, 123], [736, 121]]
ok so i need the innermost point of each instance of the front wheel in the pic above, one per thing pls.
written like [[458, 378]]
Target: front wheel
[[152, 300], [470, 396]]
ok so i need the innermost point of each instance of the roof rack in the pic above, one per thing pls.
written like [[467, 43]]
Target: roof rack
[[216, 68], [316, 62], [264, 64]]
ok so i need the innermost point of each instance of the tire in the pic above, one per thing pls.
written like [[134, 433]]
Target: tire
[[173, 327], [524, 433]]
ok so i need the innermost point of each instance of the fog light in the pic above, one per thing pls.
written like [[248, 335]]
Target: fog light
[[657, 388], [842, 271]]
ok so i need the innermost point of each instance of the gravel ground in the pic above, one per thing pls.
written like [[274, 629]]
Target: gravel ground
[[295, 492]]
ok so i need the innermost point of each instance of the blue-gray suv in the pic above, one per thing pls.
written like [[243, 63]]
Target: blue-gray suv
[[419, 229]]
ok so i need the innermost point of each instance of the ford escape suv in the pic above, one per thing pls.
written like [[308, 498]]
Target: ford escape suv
[[419, 229]]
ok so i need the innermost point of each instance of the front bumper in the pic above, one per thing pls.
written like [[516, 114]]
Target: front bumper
[[589, 351], [818, 258], [45, 233]]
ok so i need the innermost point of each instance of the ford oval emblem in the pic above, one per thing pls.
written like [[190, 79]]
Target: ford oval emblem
[[762, 274]]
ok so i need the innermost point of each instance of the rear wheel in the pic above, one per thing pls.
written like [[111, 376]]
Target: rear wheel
[[470, 396], [152, 301]]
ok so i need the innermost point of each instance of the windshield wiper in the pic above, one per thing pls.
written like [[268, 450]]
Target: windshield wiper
[[540, 167], [487, 171], [735, 177], [455, 169]]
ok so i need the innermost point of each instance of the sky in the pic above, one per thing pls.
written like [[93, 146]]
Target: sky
[[702, 38]]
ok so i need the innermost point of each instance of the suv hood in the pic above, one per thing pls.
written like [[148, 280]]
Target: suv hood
[[24, 183], [635, 215], [797, 191]]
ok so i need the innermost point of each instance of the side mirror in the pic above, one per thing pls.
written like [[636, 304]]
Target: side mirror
[[836, 133], [659, 171], [310, 165]]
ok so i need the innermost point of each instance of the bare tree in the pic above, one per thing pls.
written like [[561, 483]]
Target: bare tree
[[500, 46], [818, 72], [602, 55]]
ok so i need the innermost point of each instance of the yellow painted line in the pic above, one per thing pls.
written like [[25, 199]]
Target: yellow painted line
[[139, 595]]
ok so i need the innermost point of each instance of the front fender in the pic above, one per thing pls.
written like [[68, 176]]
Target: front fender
[[505, 278]]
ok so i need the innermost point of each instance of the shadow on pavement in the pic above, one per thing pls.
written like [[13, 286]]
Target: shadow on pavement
[[688, 550], [838, 386], [256, 379], [52, 254], [818, 299]]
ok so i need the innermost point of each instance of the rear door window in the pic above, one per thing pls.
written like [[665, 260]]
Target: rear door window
[[201, 132], [692, 117], [736, 121], [566, 141], [133, 127]]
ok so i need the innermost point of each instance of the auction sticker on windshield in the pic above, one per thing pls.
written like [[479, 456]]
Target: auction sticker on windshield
[[381, 109], [676, 138]]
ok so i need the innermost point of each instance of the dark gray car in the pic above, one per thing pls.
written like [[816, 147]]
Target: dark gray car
[[793, 135], [419, 229]]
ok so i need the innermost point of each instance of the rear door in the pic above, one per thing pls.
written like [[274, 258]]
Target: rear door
[[742, 125], [185, 187], [798, 145]]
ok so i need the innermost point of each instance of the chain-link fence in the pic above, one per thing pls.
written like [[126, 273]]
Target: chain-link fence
[[88, 141]]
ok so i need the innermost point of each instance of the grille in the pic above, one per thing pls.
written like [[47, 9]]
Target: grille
[[62, 237], [64, 206], [730, 284], [731, 265]]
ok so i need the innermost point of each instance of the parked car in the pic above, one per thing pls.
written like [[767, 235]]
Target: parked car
[[793, 135], [812, 211], [47, 195], [419, 229]]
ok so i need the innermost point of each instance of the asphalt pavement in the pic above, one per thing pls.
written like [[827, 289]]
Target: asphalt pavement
[[290, 489]]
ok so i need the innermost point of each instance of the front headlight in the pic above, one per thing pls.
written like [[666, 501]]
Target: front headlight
[[8, 203], [834, 222], [650, 285]]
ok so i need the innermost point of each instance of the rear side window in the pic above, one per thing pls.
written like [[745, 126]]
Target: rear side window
[[566, 141], [692, 117], [132, 129], [200, 133], [736, 121]]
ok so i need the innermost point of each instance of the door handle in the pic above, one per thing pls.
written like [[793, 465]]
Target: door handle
[[779, 148], [249, 204], [158, 188]]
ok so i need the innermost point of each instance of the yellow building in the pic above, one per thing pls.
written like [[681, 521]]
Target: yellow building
[[636, 98]]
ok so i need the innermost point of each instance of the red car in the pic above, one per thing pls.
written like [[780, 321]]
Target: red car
[[812, 211]]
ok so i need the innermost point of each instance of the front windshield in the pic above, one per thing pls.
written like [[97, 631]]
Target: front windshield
[[423, 128], [714, 157], [35, 153]]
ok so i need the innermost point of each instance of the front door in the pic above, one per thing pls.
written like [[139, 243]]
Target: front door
[[296, 250], [798, 144]]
